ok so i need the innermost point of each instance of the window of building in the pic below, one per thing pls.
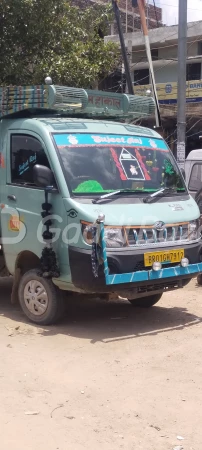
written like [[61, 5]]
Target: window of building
[[199, 48], [193, 71], [115, 82], [195, 182], [26, 151], [141, 76], [155, 54]]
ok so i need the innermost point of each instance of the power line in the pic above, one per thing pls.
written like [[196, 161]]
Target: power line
[[196, 123], [176, 6], [194, 134], [176, 32], [170, 61], [155, 71], [169, 46]]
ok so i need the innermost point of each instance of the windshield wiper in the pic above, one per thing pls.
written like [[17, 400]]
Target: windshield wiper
[[161, 193], [149, 199], [111, 194]]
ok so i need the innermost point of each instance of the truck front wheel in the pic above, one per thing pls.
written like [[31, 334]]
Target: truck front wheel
[[40, 300], [146, 302], [199, 279]]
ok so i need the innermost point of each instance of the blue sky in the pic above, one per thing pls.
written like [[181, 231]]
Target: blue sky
[[170, 10]]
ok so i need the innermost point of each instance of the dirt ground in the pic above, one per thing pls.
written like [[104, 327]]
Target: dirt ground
[[108, 377]]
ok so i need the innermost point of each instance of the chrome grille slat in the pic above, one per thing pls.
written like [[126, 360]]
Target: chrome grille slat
[[145, 235], [154, 235], [135, 236]]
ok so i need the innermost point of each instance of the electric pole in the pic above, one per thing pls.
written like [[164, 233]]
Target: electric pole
[[141, 6], [181, 89], [129, 50], [123, 47]]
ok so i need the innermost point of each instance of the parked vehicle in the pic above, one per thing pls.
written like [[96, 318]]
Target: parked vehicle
[[90, 204], [193, 171]]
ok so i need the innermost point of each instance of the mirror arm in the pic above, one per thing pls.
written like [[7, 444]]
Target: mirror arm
[[47, 190]]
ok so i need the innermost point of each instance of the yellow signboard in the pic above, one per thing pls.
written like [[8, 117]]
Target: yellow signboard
[[167, 92]]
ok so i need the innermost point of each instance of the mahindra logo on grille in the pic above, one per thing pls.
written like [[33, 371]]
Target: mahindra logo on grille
[[159, 226]]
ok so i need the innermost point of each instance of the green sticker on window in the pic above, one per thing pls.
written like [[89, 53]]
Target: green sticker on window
[[89, 186]]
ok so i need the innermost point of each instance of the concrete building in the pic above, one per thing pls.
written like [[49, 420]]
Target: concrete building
[[131, 19], [131, 22], [129, 16], [164, 49]]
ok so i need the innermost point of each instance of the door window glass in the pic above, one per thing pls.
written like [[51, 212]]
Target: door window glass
[[195, 182], [26, 151]]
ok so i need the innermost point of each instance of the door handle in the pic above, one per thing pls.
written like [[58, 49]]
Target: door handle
[[12, 197]]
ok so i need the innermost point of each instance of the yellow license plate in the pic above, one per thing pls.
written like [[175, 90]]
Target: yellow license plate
[[167, 257]]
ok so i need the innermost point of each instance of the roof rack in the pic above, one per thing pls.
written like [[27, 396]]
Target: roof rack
[[74, 102]]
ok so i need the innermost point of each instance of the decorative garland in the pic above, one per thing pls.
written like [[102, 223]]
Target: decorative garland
[[48, 261], [96, 258]]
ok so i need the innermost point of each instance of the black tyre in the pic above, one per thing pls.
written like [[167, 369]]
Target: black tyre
[[40, 300], [146, 302], [199, 279]]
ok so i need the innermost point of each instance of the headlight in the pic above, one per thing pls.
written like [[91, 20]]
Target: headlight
[[114, 237], [87, 234], [193, 230]]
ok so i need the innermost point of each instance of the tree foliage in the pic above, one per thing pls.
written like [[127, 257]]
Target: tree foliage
[[52, 37]]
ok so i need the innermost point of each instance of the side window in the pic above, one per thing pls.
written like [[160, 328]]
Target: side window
[[26, 151], [195, 182]]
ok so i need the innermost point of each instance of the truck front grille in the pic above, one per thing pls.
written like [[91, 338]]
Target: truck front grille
[[139, 236]]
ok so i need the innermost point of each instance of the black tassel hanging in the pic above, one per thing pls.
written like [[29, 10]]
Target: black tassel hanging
[[48, 261], [96, 255]]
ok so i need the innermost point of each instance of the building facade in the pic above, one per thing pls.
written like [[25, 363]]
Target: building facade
[[131, 22], [164, 49], [129, 16]]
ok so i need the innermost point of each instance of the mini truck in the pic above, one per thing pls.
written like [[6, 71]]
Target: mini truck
[[90, 203]]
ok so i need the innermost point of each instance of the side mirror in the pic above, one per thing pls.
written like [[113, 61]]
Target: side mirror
[[43, 176], [183, 173]]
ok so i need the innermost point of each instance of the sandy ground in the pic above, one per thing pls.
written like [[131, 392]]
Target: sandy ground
[[108, 377]]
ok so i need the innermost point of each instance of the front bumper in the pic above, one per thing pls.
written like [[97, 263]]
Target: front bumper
[[126, 271]]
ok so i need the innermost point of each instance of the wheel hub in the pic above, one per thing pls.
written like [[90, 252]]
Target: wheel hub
[[36, 297]]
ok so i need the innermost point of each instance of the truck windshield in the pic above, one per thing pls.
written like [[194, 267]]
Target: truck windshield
[[99, 163]]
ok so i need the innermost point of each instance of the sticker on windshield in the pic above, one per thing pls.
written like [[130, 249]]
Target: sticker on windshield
[[64, 139], [131, 166]]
